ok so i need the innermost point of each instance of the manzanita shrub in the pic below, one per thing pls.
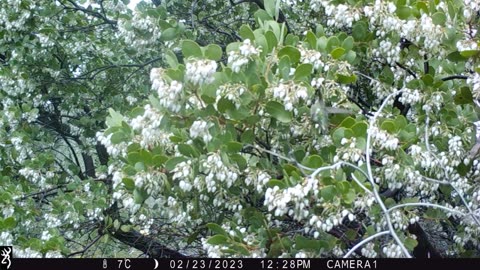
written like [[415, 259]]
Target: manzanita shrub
[[302, 129]]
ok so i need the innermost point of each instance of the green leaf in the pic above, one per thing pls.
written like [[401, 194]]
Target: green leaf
[[439, 18], [311, 39], [403, 12], [410, 243], [262, 16], [168, 34], [213, 52], [360, 31], [313, 161], [341, 133], [347, 44], [118, 137], [292, 52], [139, 195], [277, 111], [115, 119], [302, 242], [328, 193], [464, 96], [216, 229], [171, 59], [171, 163], [303, 71], [187, 150], [218, 240], [234, 147], [427, 79], [246, 33], [128, 183], [247, 136], [191, 49], [469, 53], [346, 79], [271, 40], [9, 223], [337, 53], [269, 6], [360, 129], [274, 182], [284, 67], [125, 228], [389, 126], [332, 43]]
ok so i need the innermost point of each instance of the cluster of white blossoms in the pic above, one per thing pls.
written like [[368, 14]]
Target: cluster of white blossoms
[[383, 139], [200, 71], [217, 172], [388, 51], [471, 7], [114, 150], [213, 251], [467, 45], [382, 13], [127, 29], [435, 101], [392, 251], [257, 178], [199, 129], [455, 147], [231, 92], [290, 94], [169, 94], [474, 81], [151, 181], [368, 250], [311, 57], [183, 172], [410, 96], [350, 152], [148, 126], [36, 176], [238, 58], [327, 223], [340, 15]]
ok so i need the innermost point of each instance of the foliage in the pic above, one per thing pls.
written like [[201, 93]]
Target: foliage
[[275, 128]]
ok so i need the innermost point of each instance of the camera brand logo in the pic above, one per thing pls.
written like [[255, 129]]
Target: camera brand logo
[[5, 253]]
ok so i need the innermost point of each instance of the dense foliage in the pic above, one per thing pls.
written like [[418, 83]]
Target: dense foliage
[[241, 128]]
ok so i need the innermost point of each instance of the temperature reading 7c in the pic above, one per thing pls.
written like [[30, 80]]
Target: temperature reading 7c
[[126, 263]]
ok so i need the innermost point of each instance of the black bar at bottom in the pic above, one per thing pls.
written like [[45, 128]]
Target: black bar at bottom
[[276, 264]]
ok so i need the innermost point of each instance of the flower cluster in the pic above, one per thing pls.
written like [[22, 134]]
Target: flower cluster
[[148, 125], [237, 59], [474, 81], [383, 139], [290, 94], [139, 23], [350, 153], [369, 250], [231, 92], [183, 173], [199, 129], [388, 51], [340, 15], [169, 94], [257, 178], [382, 13], [217, 172], [392, 251], [200, 72], [114, 150], [311, 57]]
